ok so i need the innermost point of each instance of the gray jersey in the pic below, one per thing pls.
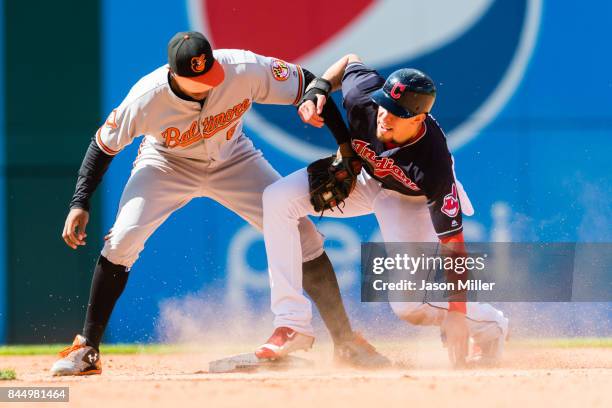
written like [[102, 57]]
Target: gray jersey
[[173, 126], [191, 150]]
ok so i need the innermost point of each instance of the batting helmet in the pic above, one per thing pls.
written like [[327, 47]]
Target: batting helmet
[[407, 92]]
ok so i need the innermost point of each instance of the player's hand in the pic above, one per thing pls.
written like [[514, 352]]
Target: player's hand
[[455, 329], [311, 114], [74, 228]]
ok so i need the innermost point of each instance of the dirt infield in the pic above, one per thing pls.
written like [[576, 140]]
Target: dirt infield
[[530, 376]]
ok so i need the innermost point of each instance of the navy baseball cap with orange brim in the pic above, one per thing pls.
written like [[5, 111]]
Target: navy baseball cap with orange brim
[[190, 56]]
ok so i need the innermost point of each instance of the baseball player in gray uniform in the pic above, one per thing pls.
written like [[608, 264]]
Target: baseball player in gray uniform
[[190, 114]]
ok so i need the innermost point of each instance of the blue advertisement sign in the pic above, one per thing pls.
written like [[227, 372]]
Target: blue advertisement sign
[[523, 97]]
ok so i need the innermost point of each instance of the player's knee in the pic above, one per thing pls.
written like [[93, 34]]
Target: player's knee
[[311, 240], [269, 195], [119, 258], [276, 198], [122, 250]]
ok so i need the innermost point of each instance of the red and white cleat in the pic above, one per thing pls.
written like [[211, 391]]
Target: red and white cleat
[[283, 342]]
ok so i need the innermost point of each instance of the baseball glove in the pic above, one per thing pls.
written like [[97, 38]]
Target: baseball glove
[[331, 180]]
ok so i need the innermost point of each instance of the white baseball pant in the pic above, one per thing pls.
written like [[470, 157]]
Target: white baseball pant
[[161, 184]]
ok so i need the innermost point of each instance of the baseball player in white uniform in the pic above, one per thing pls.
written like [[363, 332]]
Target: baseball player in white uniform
[[407, 181], [190, 114]]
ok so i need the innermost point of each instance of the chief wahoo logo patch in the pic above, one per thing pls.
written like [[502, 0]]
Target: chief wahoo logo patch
[[451, 203]]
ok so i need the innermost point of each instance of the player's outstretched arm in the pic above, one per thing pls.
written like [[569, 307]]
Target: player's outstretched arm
[[317, 109], [454, 326], [94, 165], [335, 72], [311, 108]]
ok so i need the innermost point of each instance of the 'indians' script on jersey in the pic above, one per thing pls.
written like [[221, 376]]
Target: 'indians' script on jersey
[[382, 166]]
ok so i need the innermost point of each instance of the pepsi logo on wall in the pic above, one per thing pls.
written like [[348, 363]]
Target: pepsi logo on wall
[[475, 50]]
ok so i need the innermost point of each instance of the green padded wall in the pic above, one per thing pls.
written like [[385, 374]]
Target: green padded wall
[[52, 107]]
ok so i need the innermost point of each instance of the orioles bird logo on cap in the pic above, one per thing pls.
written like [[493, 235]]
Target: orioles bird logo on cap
[[198, 63]]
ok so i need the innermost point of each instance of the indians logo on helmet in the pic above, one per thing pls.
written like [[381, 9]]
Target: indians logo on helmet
[[397, 90], [448, 43]]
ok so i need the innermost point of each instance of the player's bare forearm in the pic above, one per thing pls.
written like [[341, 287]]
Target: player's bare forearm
[[317, 108], [335, 72], [455, 244], [454, 325]]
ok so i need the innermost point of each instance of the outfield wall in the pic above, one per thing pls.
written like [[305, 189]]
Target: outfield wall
[[51, 74]]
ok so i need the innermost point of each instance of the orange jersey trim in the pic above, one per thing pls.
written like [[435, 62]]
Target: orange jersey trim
[[300, 85], [104, 147]]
